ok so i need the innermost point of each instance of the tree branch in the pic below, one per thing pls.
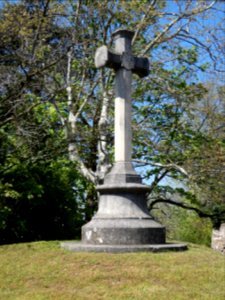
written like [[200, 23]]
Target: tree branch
[[200, 212], [139, 26], [171, 166], [157, 179], [74, 156], [175, 21], [103, 159]]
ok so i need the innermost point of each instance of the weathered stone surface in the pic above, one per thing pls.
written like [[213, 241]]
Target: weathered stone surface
[[122, 172], [122, 201], [122, 217], [218, 239], [79, 247], [123, 232]]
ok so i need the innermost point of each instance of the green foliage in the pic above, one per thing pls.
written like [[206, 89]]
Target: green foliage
[[38, 202], [184, 225], [182, 142], [187, 226]]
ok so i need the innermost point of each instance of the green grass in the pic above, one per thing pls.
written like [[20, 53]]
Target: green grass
[[43, 270]]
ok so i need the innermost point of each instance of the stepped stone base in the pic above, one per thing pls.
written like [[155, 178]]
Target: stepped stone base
[[126, 231], [122, 222], [80, 247]]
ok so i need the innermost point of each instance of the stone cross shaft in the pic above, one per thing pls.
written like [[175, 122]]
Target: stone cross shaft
[[124, 64]]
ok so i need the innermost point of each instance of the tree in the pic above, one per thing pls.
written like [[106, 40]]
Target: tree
[[41, 193], [207, 165], [199, 185], [49, 59]]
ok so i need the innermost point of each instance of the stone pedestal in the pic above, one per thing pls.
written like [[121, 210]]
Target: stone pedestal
[[122, 217], [122, 222]]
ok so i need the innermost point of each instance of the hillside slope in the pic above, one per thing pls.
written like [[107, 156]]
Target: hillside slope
[[43, 270]]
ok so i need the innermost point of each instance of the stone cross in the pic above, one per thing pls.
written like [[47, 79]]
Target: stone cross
[[122, 222], [124, 64]]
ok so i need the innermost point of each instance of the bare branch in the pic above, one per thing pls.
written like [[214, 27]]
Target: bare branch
[[103, 159], [139, 26], [164, 166], [157, 179], [175, 21], [74, 156], [162, 33], [68, 78]]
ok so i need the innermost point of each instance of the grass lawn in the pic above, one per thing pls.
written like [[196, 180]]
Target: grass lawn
[[43, 270]]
